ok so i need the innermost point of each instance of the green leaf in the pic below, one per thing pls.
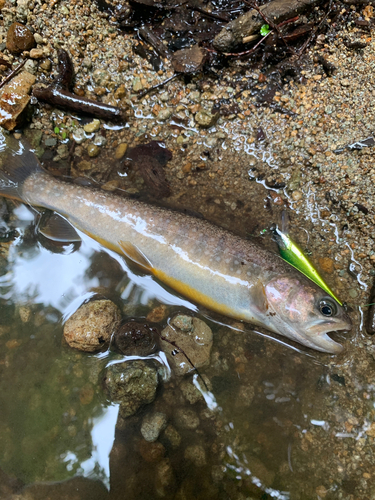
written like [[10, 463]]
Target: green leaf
[[63, 135], [264, 30], [56, 130]]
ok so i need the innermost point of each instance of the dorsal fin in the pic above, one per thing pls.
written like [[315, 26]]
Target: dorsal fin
[[56, 228], [135, 255]]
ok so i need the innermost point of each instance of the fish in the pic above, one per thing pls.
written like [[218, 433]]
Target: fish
[[207, 264], [292, 253]]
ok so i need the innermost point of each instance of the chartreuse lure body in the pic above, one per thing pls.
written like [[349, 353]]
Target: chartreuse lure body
[[293, 254]]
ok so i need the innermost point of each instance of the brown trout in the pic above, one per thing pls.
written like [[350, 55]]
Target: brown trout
[[202, 262]]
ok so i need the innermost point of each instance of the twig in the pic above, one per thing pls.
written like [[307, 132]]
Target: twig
[[155, 42], [239, 54], [157, 86], [314, 32], [208, 14], [12, 74], [271, 23]]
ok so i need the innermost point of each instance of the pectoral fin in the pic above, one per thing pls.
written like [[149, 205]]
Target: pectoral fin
[[57, 228], [135, 255], [259, 297]]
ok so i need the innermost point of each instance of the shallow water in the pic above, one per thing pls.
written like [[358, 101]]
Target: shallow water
[[263, 414]]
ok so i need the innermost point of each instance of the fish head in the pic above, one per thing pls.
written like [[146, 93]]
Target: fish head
[[302, 311]]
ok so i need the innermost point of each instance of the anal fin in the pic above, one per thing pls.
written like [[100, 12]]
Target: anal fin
[[56, 228], [135, 255]]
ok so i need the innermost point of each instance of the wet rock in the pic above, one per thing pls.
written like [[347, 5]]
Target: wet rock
[[36, 53], [157, 314], [136, 339], [151, 452], [90, 328], [173, 436], [245, 396], [14, 99], [93, 150], [297, 195], [19, 38], [196, 454], [152, 426], [164, 114], [121, 150], [194, 339], [38, 38], [92, 126], [186, 418], [137, 84], [189, 60], [206, 119], [260, 470], [99, 140], [165, 481], [190, 392], [46, 65], [79, 135], [133, 384]]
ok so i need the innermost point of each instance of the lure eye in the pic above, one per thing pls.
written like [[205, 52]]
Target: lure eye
[[327, 307]]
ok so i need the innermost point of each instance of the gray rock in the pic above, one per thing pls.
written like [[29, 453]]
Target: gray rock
[[193, 337], [133, 384], [164, 114], [152, 426], [206, 119], [90, 328], [79, 135]]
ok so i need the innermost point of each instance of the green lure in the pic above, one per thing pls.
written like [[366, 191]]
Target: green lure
[[292, 254]]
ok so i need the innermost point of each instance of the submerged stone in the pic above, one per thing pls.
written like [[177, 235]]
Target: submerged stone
[[90, 328], [187, 343], [152, 426], [136, 339], [132, 384]]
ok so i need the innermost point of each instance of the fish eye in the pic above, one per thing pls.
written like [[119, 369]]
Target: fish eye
[[327, 307]]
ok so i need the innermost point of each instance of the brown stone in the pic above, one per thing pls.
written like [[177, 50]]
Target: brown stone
[[90, 328], [14, 98], [19, 38], [36, 53], [151, 452]]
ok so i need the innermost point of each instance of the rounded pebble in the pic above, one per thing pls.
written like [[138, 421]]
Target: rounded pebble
[[90, 328], [19, 38]]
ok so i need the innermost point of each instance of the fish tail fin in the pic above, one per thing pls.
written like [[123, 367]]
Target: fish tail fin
[[17, 163]]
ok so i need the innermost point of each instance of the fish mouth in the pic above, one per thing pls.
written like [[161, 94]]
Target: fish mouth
[[318, 336]]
